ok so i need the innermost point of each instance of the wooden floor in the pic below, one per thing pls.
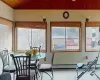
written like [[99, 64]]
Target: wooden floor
[[69, 74]]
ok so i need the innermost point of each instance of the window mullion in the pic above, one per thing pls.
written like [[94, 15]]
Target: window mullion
[[31, 39], [65, 38]]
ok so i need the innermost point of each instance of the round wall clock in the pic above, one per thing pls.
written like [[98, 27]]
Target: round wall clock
[[66, 15]]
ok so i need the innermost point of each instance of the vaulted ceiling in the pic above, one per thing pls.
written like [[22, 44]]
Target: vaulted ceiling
[[53, 4]]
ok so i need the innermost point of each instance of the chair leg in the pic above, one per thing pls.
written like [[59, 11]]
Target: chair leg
[[52, 75], [41, 75], [34, 77]]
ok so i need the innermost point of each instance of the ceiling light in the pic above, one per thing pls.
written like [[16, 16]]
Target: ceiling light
[[73, 0]]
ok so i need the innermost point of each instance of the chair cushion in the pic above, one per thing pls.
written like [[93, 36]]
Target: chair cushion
[[9, 68], [45, 66], [32, 62], [80, 65]]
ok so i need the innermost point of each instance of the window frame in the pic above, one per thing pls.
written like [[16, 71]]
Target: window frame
[[31, 27], [91, 24], [69, 24]]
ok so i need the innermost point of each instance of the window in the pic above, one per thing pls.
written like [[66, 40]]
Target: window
[[30, 34], [92, 36], [66, 36], [5, 34]]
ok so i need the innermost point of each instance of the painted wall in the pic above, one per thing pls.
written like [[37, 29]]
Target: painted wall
[[6, 11], [56, 15]]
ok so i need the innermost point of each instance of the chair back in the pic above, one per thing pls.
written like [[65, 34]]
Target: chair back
[[5, 57], [22, 64]]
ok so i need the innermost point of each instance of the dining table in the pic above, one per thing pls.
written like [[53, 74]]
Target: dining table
[[38, 56]]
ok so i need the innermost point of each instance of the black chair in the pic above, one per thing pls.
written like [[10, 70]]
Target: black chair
[[47, 67], [22, 64]]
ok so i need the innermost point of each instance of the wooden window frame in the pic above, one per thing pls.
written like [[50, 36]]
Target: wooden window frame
[[17, 23], [91, 24], [69, 24]]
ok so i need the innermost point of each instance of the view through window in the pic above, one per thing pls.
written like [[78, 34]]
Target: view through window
[[27, 37], [65, 38], [92, 38]]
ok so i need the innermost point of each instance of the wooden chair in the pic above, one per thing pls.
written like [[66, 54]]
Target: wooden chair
[[22, 64]]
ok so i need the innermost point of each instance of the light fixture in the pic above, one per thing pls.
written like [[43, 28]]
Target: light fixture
[[73, 0], [44, 19], [87, 20]]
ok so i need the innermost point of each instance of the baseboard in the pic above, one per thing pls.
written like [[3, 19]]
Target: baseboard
[[68, 66]]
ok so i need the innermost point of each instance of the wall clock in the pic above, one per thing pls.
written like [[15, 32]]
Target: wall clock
[[66, 15]]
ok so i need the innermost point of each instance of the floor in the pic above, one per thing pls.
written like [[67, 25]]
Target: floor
[[70, 74]]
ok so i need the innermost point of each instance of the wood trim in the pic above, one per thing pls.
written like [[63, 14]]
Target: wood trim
[[16, 50], [5, 21], [85, 36], [91, 24], [80, 37], [66, 24], [27, 24]]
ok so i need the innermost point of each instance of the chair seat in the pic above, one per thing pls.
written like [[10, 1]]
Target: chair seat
[[32, 62], [9, 68], [80, 65], [45, 66]]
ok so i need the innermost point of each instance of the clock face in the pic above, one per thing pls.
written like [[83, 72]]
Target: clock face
[[65, 15]]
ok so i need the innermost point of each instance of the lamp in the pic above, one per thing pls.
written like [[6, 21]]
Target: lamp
[[44, 19], [87, 20]]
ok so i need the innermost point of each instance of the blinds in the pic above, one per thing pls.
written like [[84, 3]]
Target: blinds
[[66, 24], [39, 25], [92, 24], [6, 34]]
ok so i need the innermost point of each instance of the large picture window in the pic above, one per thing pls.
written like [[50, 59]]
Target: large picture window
[[66, 36], [32, 34], [5, 34], [92, 36]]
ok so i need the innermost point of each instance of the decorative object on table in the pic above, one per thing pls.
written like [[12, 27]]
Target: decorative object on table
[[29, 52], [35, 51]]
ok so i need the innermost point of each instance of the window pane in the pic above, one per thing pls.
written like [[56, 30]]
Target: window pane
[[38, 38], [58, 37], [5, 37], [72, 38], [30, 37], [92, 37], [23, 38]]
